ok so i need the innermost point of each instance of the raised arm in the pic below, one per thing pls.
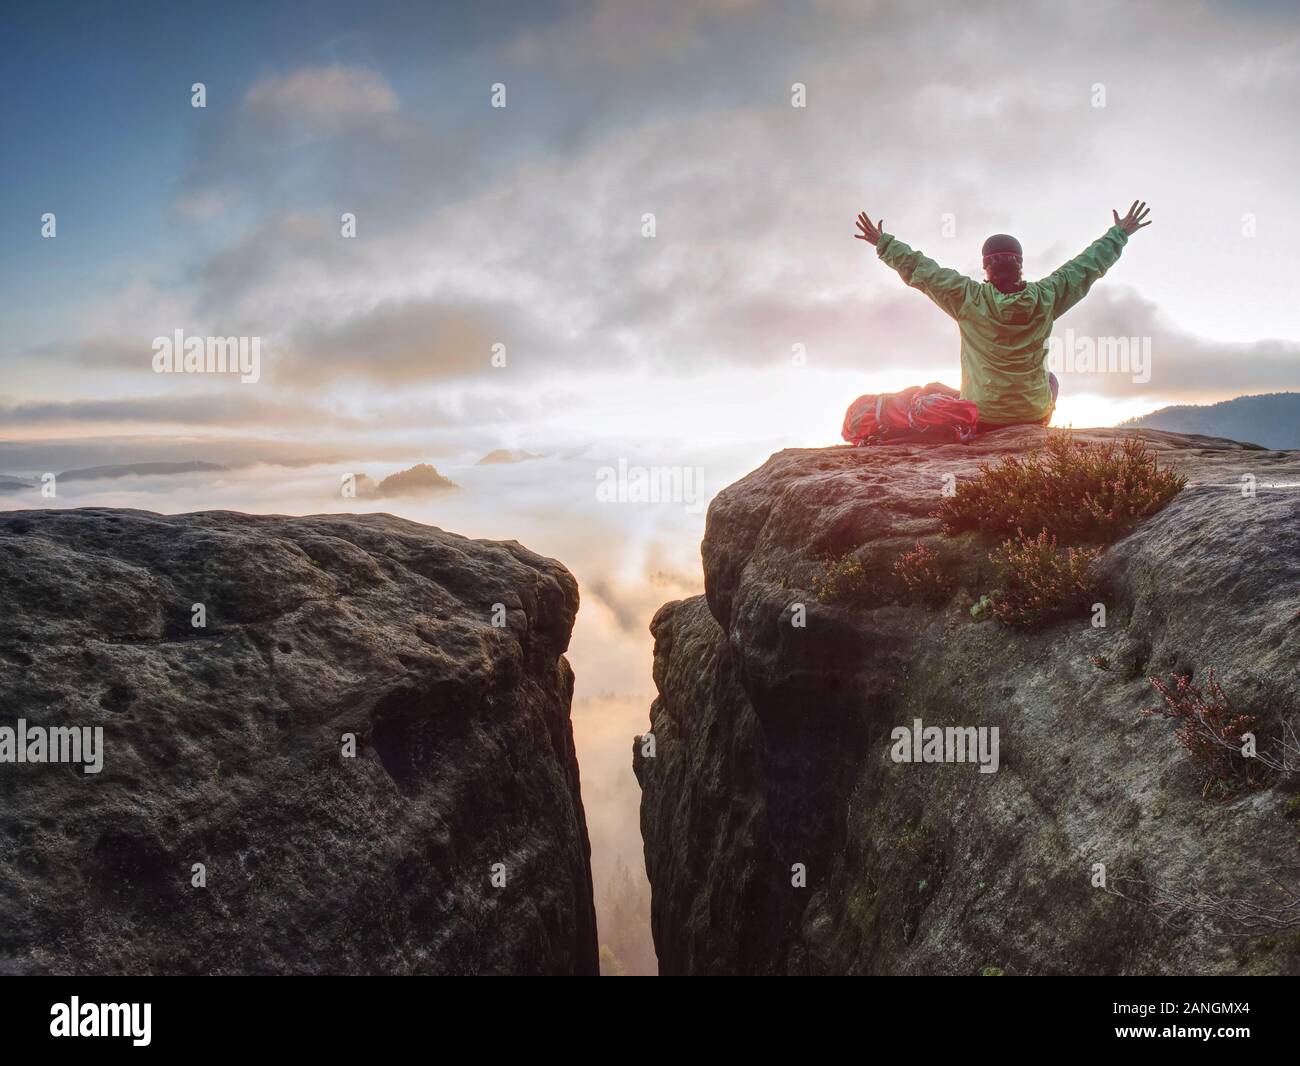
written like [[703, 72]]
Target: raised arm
[[947, 288], [1071, 282]]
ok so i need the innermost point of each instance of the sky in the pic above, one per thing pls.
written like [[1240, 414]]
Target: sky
[[645, 255]]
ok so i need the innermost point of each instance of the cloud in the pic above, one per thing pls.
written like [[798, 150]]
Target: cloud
[[603, 33], [67, 453], [523, 226], [300, 142], [752, 201], [214, 407], [1182, 367], [320, 101], [250, 275], [418, 341], [202, 205]]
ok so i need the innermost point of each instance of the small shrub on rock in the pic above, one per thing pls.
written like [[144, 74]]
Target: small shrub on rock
[[843, 580], [1212, 732], [924, 580], [1039, 581], [1079, 491]]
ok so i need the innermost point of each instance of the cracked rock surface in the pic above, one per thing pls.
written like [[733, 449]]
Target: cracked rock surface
[[224, 745], [773, 741]]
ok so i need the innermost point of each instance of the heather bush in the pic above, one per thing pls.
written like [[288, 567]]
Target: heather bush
[[1212, 732], [924, 581], [1079, 491], [1038, 581], [843, 580]]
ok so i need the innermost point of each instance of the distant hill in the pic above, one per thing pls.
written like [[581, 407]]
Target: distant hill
[[93, 473], [419, 480], [507, 455], [1271, 420], [16, 483]]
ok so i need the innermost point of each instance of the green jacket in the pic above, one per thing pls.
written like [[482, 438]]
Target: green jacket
[[1004, 335]]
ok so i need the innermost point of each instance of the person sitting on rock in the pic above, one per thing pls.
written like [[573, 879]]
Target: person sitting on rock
[[1005, 321]]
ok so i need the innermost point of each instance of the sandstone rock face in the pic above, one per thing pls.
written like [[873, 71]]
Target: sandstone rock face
[[223, 745], [772, 742]]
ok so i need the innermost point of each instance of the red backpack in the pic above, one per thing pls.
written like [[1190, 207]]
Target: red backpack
[[922, 413]]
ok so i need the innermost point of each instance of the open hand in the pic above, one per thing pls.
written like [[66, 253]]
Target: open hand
[[1132, 222], [869, 233]]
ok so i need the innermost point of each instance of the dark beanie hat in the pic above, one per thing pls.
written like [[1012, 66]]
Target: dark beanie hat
[[1001, 243]]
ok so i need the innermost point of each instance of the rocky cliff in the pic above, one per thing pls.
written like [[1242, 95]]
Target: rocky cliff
[[334, 744], [772, 740]]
